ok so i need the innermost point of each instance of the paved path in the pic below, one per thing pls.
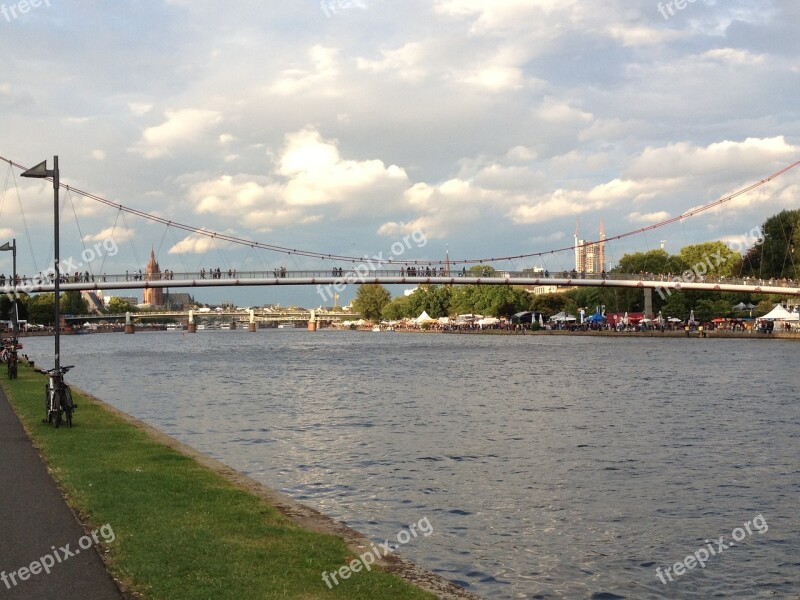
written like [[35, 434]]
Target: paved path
[[33, 518]]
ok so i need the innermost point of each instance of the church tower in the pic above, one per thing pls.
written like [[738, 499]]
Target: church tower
[[153, 296]]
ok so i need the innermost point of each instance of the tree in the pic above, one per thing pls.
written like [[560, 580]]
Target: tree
[[654, 261], [711, 258], [434, 299], [778, 255], [549, 304], [72, 303], [397, 309], [370, 301], [117, 306], [41, 309]]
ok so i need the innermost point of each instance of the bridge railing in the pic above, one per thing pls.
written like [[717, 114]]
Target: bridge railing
[[355, 276]]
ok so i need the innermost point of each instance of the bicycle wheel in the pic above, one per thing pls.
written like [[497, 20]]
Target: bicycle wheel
[[47, 413], [68, 406], [57, 407]]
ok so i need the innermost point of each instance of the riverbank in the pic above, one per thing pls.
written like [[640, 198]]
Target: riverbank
[[720, 335], [188, 527]]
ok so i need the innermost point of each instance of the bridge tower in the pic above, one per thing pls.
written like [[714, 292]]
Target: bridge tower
[[153, 296]]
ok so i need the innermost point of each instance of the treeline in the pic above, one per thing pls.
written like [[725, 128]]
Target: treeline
[[40, 309], [772, 256]]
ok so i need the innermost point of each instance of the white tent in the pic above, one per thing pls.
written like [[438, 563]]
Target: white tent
[[781, 314], [563, 316], [424, 317], [487, 321]]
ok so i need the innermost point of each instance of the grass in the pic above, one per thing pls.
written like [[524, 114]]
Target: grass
[[184, 532]]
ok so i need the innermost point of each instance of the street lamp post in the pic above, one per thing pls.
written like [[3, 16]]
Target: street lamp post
[[14, 315], [41, 171]]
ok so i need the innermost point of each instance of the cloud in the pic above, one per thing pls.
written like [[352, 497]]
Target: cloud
[[197, 244], [181, 128], [117, 234], [316, 174], [648, 218], [319, 77]]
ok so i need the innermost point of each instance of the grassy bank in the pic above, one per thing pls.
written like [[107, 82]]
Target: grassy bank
[[182, 530]]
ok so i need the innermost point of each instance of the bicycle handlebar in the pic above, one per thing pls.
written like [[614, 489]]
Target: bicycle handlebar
[[61, 370]]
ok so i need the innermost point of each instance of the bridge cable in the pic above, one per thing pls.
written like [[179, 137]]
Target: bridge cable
[[27, 231], [80, 233], [285, 250]]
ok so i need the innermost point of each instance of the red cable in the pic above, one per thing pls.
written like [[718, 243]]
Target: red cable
[[356, 259]]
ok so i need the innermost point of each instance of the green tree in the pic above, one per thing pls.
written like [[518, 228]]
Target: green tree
[[705, 310], [72, 303], [434, 299], [370, 301], [778, 255], [675, 306], [653, 261], [712, 258], [398, 308], [41, 309], [550, 304], [117, 306]]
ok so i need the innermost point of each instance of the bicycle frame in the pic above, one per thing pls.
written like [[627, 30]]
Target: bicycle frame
[[58, 398]]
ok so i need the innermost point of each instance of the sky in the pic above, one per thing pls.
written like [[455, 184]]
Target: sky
[[490, 127]]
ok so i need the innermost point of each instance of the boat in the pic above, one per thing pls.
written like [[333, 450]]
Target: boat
[[225, 326], [174, 327], [376, 328], [284, 326]]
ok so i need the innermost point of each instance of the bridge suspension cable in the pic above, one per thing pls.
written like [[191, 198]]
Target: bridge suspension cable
[[355, 259]]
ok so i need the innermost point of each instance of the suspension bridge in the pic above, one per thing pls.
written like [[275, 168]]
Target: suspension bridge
[[389, 271]]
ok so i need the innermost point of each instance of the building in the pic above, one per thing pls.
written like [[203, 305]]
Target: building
[[178, 301], [590, 257], [153, 296]]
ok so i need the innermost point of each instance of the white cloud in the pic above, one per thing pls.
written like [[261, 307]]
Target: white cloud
[[648, 218], [316, 173], [182, 127], [408, 62], [319, 78], [197, 244], [117, 234]]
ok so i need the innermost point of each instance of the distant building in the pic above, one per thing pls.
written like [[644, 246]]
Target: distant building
[[94, 300], [178, 301], [153, 296], [590, 258]]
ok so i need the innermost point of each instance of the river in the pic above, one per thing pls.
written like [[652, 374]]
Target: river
[[548, 466]]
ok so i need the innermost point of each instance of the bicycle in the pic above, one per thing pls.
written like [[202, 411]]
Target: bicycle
[[58, 398], [12, 366]]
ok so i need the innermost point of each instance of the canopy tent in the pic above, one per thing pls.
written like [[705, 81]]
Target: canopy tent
[[780, 314], [467, 318], [487, 321], [595, 318], [424, 317], [528, 316], [562, 317], [743, 306]]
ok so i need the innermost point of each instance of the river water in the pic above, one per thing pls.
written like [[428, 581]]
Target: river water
[[548, 467]]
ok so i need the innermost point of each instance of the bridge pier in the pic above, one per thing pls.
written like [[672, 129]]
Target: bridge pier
[[312, 322], [233, 325], [192, 326], [129, 327], [648, 303], [251, 327]]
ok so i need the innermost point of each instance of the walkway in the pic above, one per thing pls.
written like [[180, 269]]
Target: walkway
[[35, 518]]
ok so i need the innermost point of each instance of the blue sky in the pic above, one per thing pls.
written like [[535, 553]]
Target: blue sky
[[491, 126]]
